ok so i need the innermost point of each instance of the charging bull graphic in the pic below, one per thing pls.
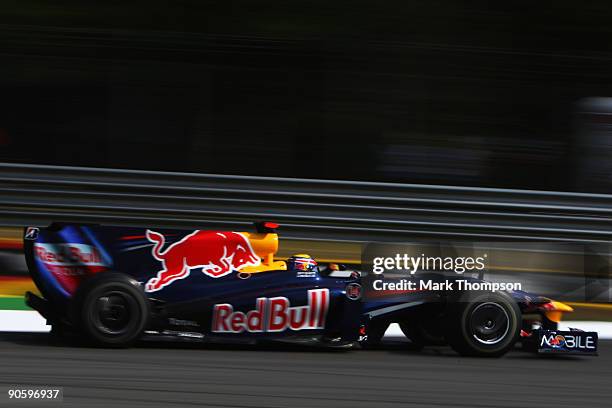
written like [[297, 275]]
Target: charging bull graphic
[[215, 253]]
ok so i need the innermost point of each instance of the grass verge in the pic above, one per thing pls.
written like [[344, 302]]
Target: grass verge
[[13, 303]]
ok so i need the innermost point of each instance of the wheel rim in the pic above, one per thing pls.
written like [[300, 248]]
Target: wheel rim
[[112, 312], [489, 323]]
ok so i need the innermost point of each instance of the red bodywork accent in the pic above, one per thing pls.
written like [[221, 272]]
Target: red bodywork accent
[[215, 254]]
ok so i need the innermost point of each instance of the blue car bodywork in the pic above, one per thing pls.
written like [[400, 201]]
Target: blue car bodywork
[[192, 300], [225, 294]]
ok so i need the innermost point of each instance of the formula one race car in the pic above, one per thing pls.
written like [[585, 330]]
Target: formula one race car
[[112, 285]]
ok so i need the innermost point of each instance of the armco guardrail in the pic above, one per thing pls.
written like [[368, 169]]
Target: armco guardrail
[[320, 209]]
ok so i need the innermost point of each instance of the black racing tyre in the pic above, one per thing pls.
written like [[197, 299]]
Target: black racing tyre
[[112, 310], [483, 324]]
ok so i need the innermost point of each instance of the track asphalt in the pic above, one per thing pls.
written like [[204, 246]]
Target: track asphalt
[[165, 374]]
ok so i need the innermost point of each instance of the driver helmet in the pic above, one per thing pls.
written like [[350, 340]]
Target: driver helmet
[[301, 262]]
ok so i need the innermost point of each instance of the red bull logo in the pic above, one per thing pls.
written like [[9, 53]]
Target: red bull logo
[[216, 254], [273, 315], [69, 262]]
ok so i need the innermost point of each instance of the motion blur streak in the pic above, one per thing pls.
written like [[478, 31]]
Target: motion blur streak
[[534, 267], [438, 92]]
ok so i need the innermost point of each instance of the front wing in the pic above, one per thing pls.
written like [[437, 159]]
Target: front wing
[[566, 342]]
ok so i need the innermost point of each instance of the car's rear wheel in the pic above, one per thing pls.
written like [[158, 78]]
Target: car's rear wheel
[[112, 310], [484, 324]]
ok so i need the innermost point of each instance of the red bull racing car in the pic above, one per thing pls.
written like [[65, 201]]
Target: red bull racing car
[[112, 285]]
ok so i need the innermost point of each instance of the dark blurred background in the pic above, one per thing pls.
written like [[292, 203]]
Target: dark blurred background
[[509, 95]]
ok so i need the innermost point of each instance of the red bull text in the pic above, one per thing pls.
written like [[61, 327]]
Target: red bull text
[[273, 315], [70, 262]]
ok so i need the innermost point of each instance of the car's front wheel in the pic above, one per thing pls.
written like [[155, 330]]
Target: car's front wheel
[[484, 324]]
